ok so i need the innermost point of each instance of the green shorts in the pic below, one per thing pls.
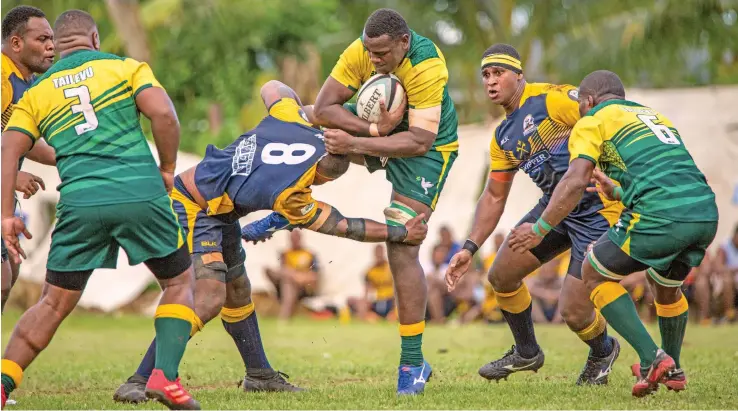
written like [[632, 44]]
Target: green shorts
[[86, 238], [420, 178], [666, 249]]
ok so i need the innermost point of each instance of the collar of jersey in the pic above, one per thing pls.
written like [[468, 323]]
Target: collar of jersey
[[75, 52], [609, 103]]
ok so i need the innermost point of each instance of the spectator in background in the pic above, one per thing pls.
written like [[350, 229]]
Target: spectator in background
[[439, 302], [446, 239], [637, 286], [298, 276], [698, 289], [379, 291], [545, 289], [726, 266]]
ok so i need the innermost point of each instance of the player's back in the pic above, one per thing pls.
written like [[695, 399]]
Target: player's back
[[263, 166], [84, 106], [643, 151]]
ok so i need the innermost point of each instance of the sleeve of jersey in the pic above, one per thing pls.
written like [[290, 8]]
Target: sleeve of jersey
[[287, 109], [425, 84], [497, 159], [586, 140], [563, 105], [7, 92], [24, 119], [353, 61], [141, 76]]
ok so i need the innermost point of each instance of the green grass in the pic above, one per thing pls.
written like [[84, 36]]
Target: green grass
[[354, 367]]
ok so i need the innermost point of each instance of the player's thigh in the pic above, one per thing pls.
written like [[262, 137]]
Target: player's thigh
[[421, 178], [688, 245], [81, 240], [582, 232]]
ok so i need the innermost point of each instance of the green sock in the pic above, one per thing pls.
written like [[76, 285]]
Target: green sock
[[672, 334], [411, 350], [621, 314], [8, 384], [172, 335]]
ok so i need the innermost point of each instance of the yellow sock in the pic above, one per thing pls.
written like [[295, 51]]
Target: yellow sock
[[514, 302], [234, 315]]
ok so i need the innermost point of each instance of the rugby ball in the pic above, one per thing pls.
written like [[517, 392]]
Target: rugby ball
[[379, 87]]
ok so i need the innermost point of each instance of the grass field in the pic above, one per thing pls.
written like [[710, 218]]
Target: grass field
[[353, 366]]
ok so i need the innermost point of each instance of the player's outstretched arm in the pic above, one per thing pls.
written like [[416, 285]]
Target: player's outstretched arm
[[490, 206], [14, 145], [155, 104], [42, 153], [328, 220]]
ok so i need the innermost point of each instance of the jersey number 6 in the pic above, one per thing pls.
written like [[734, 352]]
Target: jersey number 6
[[663, 132], [84, 107]]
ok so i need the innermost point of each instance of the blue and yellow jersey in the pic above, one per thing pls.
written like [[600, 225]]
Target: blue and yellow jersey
[[643, 151], [13, 87], [268, 168], [85, 107], [424, 76], [380, 279], [534, 138]]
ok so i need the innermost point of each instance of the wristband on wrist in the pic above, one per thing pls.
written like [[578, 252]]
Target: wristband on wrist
[[541, 227], [470, 246]]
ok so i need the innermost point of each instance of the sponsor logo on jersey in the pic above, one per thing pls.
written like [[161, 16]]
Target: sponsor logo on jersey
[[505, 140], [536, 160], [243, 159], [305, 210], [528, 125]]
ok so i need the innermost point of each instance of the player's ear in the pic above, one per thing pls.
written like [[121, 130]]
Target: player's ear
[[96, 40], [16, 43]]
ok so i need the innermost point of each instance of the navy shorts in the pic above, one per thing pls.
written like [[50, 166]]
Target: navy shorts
[[576, 233], [383, 307], [206, 234]]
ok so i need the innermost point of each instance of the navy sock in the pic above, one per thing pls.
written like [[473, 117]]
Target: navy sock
[[246, 335], [148, 361], [521, 325]]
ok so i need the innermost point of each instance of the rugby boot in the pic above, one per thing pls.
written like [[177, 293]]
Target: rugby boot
[[169, 393], [596, 369], [411, 380], [4, 397], [509, 363], [132, 391], [273, 383], [676, 380], [263, 229], [655, 373]]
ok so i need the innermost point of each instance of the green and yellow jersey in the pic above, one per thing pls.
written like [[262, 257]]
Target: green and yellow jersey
[[424, 76], [640, 148], [84, 106]]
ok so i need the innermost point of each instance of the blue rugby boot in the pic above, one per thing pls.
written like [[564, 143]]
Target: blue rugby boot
[[263, 229], [411, 380]]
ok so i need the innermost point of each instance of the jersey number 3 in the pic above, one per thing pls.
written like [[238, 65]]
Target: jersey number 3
[[280, 153], [84, 107], [661, 131]]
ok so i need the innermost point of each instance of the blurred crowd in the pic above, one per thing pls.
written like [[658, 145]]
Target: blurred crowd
[[711, 289]]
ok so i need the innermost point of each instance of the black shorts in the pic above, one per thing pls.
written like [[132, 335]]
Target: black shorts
[[576, 233]]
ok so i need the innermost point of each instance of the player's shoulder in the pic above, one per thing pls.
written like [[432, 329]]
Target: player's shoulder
[[8, 67], [422, 49], [552, 90]]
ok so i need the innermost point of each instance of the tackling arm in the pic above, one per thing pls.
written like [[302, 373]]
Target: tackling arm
[[568, 191], [14, 145]]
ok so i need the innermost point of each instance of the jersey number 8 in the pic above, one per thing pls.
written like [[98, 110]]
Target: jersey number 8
[[285, 153], [661, 131], [84, 107]]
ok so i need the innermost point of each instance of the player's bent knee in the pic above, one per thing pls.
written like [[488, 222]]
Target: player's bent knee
[[238, 291], [210, 267], [170, 266]]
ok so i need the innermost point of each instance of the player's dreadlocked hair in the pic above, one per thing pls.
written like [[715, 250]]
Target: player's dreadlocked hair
[[14, 23], [386, 21], [503, 55], [601, 83]]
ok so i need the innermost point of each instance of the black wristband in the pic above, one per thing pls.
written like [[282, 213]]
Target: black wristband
[[396, 234], [471, 246]]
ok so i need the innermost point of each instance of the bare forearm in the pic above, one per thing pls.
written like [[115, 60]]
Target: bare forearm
[[9, 175], [403, 144], [486, 217], [335, 116], [166, 136]]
